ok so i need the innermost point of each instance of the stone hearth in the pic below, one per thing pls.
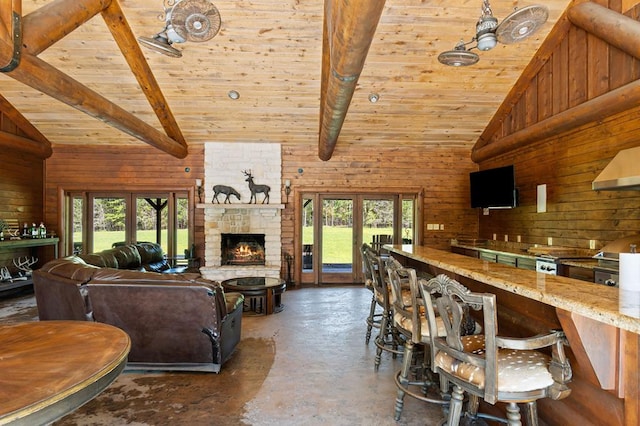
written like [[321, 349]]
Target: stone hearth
[[224, 165]]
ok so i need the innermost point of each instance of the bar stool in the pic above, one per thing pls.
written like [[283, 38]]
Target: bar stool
[[388, 338], [489, 366], [415, 378], [373, 319]]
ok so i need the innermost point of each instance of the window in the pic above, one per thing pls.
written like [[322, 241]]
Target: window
[[99, 221]]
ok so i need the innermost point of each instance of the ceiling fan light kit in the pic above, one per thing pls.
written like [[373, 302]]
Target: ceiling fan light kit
[[185, 20], [519, 25]]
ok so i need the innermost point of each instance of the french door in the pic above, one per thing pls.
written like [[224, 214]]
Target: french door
[[334, 226]]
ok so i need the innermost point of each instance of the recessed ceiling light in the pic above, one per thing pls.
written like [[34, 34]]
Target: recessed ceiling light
[[373, 97], [233, 94]]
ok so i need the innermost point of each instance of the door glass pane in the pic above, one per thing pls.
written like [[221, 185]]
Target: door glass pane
[[77, 208], [337, 236], [182, 230], [152, 217], [307, 235], [109, 216], [377, 222], [408, 215]]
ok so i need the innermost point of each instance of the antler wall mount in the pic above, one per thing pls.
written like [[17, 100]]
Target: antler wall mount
[[185, 20], [519, 25]]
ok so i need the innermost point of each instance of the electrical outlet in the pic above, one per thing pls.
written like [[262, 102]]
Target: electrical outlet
[[506, 238], [592, 244], [549, 241], [494, 237], [519, 238]]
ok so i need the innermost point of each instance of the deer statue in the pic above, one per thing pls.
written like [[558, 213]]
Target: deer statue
[[226, 190], [256, 189]]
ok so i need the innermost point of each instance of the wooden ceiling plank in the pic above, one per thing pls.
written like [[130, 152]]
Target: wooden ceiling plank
[[38, 74], [126, 40], [41, 145], [351, 26], [53, 21]]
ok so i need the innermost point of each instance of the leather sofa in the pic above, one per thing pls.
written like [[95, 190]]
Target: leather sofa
[[175, 321]]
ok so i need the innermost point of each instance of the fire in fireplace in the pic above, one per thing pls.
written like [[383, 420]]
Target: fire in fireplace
[[243, 249]]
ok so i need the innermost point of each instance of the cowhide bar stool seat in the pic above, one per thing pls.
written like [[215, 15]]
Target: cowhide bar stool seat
[[490, 366]]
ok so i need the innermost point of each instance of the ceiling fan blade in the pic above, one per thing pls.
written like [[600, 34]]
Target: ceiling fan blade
[[522, 23]]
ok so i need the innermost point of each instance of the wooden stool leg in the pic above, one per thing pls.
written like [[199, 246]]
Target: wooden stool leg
[[513, 414], [370, 318], [455, 406], [531, 413], [403, 378]]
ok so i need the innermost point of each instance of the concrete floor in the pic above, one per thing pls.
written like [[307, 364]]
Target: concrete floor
[[307, 365]]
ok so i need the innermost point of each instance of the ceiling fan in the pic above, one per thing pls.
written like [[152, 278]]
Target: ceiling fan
[[185, 20], [519, 25]]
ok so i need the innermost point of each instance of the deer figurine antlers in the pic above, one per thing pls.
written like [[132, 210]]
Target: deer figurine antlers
[[256, 189]]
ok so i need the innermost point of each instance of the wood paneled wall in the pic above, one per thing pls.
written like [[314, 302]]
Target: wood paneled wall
[[441, 173], [21, 182], [125, 168], [581, 68]]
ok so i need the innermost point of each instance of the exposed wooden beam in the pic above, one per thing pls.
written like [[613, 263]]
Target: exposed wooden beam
[[349, 29], [614, 28], [43, 28], [10, 142], [38, 74], [603, 106], [123, 35], [53, 21], [36, 143]]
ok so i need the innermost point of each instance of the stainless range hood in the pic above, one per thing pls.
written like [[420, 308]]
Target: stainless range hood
[[622, 172]]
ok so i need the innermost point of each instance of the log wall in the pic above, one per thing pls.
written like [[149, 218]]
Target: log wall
[[21, 182], [581, 68], [441, 173]]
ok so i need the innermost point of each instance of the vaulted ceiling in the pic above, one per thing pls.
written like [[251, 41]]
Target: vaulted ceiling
[[270, 52]]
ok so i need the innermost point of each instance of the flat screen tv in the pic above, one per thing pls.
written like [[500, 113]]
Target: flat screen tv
[[494, 188]]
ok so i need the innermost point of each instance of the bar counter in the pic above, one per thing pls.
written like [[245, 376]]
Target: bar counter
[[602, 325], [599, 302]]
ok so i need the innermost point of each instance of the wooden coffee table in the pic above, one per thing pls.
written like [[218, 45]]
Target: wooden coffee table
[[50, 368], [268, 289]]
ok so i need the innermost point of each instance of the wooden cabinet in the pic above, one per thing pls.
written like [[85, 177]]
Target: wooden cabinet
[[465, 251], [526, 263], [489, 257], [10, 249], [522, 262], [506, 259]]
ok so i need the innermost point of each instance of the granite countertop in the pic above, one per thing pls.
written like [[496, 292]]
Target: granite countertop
[[608, 305]]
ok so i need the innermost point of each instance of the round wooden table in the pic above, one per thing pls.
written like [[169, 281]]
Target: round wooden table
[[50, 368], [268, 289]]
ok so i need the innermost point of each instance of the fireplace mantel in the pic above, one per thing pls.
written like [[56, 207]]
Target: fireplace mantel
[[240, 206]]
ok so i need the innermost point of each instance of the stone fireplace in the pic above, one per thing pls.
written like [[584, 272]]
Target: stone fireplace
[[240, 222], [242, 249]]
